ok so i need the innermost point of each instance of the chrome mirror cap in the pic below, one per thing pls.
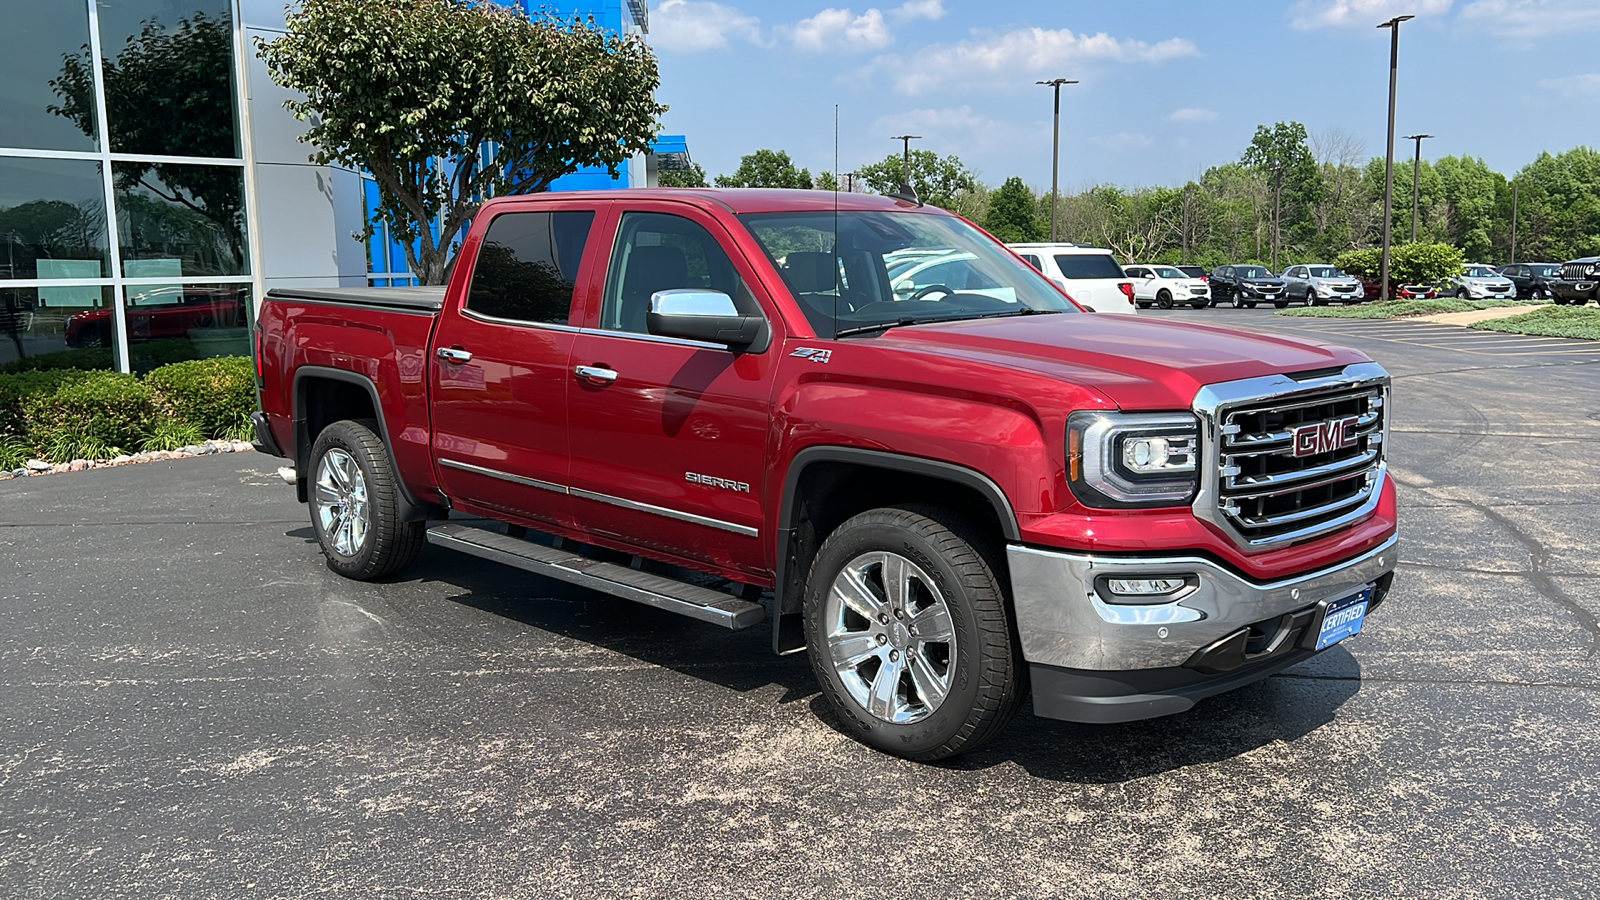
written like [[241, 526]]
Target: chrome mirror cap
[[692, 302]]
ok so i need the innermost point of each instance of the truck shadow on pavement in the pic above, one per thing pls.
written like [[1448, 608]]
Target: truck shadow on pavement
[[1284, 708]]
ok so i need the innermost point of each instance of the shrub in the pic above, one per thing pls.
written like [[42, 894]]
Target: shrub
[[15, 389], [210, 394], [1408, 263], [97, 412], [14, 451], [171, 434]]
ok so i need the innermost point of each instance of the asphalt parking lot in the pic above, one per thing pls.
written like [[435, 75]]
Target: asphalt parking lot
[[192, 705]]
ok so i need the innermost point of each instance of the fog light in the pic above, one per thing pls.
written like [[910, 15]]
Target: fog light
[[1144, 587]]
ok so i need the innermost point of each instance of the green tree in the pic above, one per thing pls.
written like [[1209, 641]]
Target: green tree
[[419, 92], [938, 180], [1419, 263], [1281, 154], [1470, 188], [767, 169], [1013, 214], [1559, 211], [169, 92], [692, 177]]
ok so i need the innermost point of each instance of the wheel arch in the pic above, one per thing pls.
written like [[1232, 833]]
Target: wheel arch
[[324, 395], [826, 485]]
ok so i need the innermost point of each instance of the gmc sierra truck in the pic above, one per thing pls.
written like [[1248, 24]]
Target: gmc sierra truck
[[715, 403]]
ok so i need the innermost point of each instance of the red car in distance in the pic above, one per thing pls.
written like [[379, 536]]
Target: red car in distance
[[164, 312], [1369, 287]]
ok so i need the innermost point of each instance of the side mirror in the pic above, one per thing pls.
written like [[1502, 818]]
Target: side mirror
[[700, 315]]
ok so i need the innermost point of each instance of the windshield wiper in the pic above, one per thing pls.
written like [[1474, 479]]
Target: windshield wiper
[[884, 326]]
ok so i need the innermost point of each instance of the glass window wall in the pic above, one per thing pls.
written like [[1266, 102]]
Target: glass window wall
[[168, 70], [47, 98], [57, 328], [180, 221]]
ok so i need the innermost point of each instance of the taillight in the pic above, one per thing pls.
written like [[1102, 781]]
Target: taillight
[[261, 369], [1206, 278], [1126, 287]]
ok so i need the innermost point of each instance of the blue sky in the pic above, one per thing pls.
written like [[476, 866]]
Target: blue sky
[[1168, 87]]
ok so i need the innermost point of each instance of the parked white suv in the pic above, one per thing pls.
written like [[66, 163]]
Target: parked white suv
[[1166, 287], [1089, 275], [1480, 282], [1318, 285]]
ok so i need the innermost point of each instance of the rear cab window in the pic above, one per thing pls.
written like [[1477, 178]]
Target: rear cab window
[[527, 268]]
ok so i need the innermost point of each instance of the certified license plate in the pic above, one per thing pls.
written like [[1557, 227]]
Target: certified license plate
[[1343, 618]]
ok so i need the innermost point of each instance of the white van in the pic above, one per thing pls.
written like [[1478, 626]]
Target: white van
[[1089, 275]]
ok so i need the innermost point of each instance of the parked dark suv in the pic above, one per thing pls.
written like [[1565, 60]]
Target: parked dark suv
[[1578, 283], [1245, 286], [1532, 279]]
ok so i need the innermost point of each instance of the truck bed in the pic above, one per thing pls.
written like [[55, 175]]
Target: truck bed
[[411, 299]]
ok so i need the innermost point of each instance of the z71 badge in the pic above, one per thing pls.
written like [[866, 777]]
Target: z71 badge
[[815, 354]]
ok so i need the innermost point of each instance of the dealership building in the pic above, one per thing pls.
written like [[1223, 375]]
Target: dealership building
[[151, 183]]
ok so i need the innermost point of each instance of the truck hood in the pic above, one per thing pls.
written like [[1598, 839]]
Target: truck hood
[[1137, 363]]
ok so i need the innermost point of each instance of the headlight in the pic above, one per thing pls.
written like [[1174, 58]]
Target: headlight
[[1119, 460]]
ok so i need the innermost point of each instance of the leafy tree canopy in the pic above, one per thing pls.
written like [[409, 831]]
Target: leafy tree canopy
[[939, 180], [767, 169], [1013, 214], [692, 177], [397, 86]]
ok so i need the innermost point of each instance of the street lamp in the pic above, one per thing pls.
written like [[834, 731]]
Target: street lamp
[[905, 165], [1388, 158], [1055, 151], [1416, 175]]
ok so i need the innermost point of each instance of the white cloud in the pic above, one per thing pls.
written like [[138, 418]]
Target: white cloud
[[841, 29], [919, 9], [695, 25], [1532, 18], [1024, 53], [935, 122], [1574, 87], [1192, 114], [1123, 140], [1310, 14]]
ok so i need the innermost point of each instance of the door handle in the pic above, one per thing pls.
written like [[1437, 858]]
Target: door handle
[[454, 354], [595, 374]]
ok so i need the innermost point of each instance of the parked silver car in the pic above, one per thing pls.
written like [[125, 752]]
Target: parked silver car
[[1320, 285]]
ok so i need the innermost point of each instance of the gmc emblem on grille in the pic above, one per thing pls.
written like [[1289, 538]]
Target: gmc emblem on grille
[[1326, 437]]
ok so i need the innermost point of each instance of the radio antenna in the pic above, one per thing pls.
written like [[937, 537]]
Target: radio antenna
[[837, 289]]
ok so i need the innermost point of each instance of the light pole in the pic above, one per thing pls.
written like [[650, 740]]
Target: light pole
[[1388, 157], [1055, 150], [905, 165], [1416, 176]]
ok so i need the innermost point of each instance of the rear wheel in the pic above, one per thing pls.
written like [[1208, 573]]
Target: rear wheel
[[355, 499], [908, 634], [1142, 304]]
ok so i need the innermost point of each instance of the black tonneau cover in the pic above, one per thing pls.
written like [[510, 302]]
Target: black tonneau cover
[[410, 299]]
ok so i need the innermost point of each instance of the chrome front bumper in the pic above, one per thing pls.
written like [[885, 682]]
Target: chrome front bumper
[[1064, 620]]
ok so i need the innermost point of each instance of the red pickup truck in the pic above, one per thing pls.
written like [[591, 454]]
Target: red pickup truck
[[718, 403]]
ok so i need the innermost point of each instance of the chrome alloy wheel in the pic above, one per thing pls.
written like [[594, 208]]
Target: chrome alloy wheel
[[890, 636], [341, 502]]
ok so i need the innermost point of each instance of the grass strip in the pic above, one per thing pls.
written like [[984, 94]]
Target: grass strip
[[1399, 309], [1551, 321]]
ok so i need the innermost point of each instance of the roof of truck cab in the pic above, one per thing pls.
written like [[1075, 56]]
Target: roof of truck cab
[[735, 200]]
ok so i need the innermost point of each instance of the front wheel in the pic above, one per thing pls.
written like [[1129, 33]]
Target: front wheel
[[1461, 294], [355, 496], [1164, 299], [1312, 299], [1238, 300], [908, 634]]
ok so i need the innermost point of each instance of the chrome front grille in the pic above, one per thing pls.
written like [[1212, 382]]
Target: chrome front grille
[[1263, 494]]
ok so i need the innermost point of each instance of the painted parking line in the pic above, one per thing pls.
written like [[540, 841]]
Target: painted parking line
[[1456, 338]]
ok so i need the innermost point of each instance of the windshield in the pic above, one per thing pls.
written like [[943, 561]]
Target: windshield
[[1168, 272], [1545, 271], [1481, 272], [1327, 272], [897, 268], [1253, 272]]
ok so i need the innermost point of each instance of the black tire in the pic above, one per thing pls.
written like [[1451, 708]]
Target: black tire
[[1461, 294], [1313, 300], [1142, 304], [1281, 304], [1250, 304], [387, 544], [1238, 300], [987, 679], [1164, 299]]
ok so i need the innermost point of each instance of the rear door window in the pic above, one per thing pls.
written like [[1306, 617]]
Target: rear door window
[[1089, 265], [527, 267]]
